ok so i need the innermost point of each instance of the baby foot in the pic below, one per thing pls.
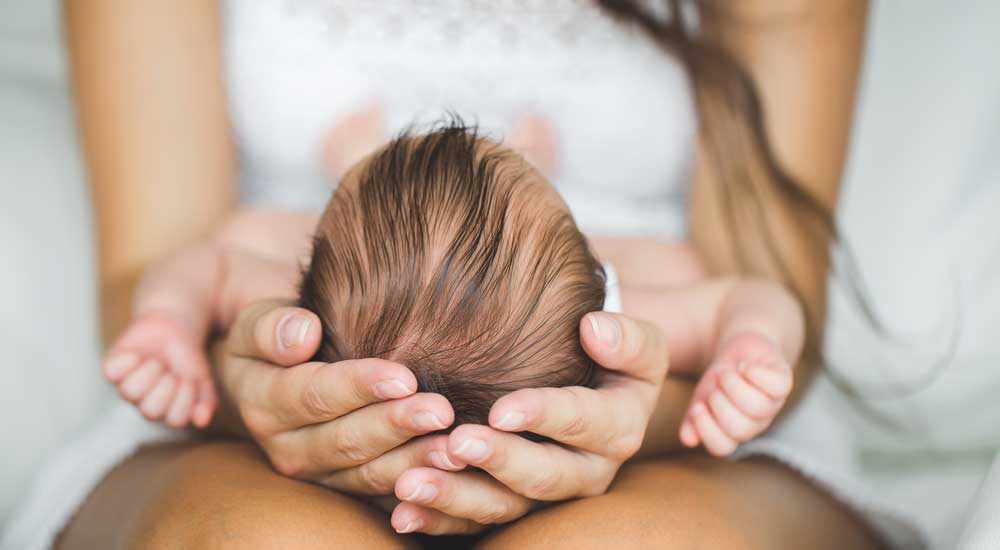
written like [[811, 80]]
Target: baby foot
[[158, 364], [738, 396], [355, 136], [534, 138]]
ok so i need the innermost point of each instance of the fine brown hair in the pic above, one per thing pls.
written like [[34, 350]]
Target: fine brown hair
[[449, 254]]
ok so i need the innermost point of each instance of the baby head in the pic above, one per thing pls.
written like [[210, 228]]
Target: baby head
[[449, 254]]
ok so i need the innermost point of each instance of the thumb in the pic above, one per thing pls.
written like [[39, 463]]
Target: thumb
[[630, 346]]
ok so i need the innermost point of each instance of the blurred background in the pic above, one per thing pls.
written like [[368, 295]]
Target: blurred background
[[914, 128], [48, 298]]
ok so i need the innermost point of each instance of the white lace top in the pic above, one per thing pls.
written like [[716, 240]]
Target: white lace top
[[620, 107]]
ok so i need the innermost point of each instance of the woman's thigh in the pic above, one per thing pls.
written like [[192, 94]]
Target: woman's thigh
[[695, 501], [219, 495]]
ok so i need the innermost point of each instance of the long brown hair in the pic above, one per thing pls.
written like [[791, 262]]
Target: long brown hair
[[744, 166], [746, 173]]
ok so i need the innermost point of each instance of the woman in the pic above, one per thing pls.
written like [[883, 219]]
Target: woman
[[161, 157]]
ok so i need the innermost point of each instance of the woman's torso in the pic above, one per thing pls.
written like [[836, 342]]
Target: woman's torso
[[620, 108]]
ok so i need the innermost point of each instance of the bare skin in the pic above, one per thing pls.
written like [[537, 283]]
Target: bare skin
[[220, 495], [225, 495], [137, 167]]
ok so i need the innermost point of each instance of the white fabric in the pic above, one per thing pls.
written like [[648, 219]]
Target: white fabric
[[50, 384], [622, 116], [920, 209], [982, 531]]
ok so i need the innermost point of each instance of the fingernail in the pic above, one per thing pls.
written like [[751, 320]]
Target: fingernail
[[511, 421], [117, 364], [606, 328], [441, 461], [425, 492], [293, 331], [391, 389], [428, 421], [411, 526], [472, 450]]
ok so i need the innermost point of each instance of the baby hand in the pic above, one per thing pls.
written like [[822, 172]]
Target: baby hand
[[159, 365], [738, 396]]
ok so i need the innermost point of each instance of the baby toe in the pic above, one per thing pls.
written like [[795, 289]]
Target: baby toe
[[688, 435], [748, 398], [205, 403], [118, 364], [138, 382], [776, 382], [712, 436], [179, 412], [154, 404], [733, 422]]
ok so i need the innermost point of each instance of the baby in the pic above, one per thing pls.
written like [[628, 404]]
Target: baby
[[450, 254]]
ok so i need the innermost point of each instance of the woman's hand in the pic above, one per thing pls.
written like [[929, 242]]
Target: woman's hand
[[347, 425], [596, 430]]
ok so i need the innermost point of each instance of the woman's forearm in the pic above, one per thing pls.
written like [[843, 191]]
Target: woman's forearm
[[147, 82]]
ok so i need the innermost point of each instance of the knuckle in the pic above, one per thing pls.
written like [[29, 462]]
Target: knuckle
[[348, 445], [370, 480], [625, 446], [599, 487], [543, 486], [315, 404], [573, 428], [256, 421], [498, 513], [286, 464]]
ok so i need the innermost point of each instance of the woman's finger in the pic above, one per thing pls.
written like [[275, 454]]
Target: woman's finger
[[539, 471], [470, 495], [378, 476], [412, 518], [633, 347], [358, 437], [608, 422], [273, 332], [276, 400]]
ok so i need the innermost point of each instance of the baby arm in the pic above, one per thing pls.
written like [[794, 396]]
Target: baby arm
[[742, 336], [159, 362]]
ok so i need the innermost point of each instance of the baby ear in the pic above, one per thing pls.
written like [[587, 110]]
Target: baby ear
[[534, 137], [355, 136]]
